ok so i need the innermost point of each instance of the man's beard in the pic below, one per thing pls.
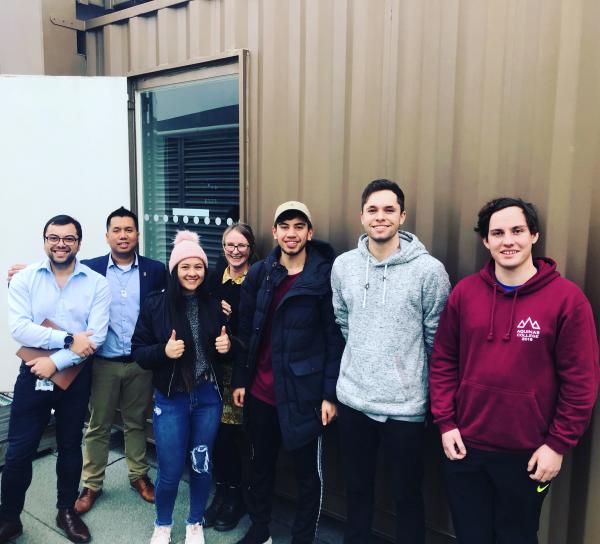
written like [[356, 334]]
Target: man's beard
[[384, 239], [64, 264], [296, 251]]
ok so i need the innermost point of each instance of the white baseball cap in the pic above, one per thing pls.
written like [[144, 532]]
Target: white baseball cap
[[292, 205]]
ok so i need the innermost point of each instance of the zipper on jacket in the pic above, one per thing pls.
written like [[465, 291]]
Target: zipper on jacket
[[212, 371], [171, 380]]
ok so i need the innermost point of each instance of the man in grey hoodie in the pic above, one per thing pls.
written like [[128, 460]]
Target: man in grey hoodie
[[387, 296]]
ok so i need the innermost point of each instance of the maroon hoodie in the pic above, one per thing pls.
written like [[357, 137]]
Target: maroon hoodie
[[515, 370]]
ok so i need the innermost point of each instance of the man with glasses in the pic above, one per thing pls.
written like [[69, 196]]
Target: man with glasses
[[63, 293], [117, 382]]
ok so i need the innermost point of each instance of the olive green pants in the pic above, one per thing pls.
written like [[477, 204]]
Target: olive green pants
[[116, 385]]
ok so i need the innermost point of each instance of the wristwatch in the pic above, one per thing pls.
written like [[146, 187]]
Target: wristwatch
[[69, 340]]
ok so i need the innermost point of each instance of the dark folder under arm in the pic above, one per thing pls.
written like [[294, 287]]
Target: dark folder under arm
[[62, 379]]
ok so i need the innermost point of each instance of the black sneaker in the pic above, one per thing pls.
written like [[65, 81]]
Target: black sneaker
[[211, 513], [257, 534]]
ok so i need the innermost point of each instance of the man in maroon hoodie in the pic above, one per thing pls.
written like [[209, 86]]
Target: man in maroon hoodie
[[513, 380]]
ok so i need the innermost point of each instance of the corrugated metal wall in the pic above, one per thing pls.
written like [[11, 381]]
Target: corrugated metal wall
[[458, 100]]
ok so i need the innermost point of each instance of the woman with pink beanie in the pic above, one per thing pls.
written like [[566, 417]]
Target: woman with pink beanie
[[181, 335]]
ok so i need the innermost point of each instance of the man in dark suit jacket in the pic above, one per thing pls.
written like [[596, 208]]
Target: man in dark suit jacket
[[117, 381]]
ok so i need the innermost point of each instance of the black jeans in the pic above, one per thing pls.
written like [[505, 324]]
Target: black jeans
[[492, 498], [30, 412], [227, 457], [403, 444], [265, 438]]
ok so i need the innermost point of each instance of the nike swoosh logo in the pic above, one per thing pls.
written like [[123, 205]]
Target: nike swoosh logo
[[541, 489]]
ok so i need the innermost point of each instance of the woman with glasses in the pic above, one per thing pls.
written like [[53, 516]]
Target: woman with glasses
[[225, 283], [181, 336]]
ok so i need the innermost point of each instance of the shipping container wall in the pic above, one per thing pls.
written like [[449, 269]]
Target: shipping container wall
[[458, 100]]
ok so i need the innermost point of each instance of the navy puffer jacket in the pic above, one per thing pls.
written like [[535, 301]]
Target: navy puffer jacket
[[306, 342]]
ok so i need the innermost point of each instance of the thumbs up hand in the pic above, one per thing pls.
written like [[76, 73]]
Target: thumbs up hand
[[174, 348], [222, 343]]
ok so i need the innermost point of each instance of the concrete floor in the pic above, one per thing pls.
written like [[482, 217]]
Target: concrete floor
[[121, 517]]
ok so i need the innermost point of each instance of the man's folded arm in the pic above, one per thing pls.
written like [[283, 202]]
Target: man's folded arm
[[97, 323]]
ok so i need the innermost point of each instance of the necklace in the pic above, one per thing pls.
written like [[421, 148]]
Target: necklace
[[123, 287]]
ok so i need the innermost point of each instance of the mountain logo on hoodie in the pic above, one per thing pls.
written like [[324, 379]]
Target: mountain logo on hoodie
[[528, 330]]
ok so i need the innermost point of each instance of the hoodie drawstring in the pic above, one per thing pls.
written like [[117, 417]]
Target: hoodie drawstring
[[364, 304], [366, 287], [384, 283], [512, 314], [507, 334], [490, 335]]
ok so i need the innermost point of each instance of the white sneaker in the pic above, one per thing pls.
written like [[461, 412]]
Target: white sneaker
[[194, 534], [161, 535]]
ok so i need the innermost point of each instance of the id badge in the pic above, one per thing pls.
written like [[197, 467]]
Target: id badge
[[44, 385]]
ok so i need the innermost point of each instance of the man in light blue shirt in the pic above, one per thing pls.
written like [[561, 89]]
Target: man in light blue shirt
[[76, 299], [124, 310], [117, 381]]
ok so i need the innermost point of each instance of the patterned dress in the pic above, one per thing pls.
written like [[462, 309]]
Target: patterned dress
[[229, 290]]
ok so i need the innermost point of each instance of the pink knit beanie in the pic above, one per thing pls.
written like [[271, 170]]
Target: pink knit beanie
[[186, 244]]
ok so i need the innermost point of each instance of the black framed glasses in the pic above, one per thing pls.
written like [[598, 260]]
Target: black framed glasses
[[67, 240], [230, 248]]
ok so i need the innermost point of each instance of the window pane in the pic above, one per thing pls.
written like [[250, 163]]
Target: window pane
[[190, 163]]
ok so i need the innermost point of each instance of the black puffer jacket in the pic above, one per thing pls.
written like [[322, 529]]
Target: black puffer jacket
[[306, 342], [152, 332]]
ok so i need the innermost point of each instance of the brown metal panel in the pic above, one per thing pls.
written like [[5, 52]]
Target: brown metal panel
[[316, 145], [254, 26], [583, 257], [275, 130], [406, 101], [290, 177], [364, 109], [143, 43], [561, 163], [339, 212], [235, 24], [168, 38], [60, 42], [584, 176], [445, 190], [129, 13], [21, 52], [460, 101], [425, 138], [91, 45], [195, 35], [116, 49]]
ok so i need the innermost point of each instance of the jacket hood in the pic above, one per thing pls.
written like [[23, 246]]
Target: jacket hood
[[315, 248], [546, 272], [410, 248], [325, 249], [317, 268]]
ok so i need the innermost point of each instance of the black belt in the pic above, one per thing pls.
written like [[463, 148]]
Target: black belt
[[120, 358]]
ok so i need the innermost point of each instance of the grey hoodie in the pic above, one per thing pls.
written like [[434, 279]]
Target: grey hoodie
[[388, 312]]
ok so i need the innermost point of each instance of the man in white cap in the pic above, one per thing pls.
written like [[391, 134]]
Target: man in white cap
[[286, 375]]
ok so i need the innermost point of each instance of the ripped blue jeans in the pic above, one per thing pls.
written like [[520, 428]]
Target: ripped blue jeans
[[185, 427]]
